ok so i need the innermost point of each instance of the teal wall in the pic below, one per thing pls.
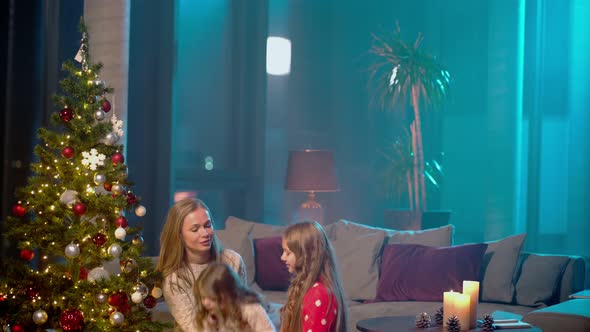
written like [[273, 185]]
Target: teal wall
[[514, 130]]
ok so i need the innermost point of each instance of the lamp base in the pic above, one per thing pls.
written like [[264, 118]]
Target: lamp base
[[311, 210]]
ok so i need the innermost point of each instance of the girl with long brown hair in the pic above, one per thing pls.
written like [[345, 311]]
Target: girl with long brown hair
[[315, 299], [224, 303]]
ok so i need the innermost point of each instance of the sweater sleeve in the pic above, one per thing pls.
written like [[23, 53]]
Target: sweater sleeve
[[234, 260], [257, 318], [318, 310], [182, 307]]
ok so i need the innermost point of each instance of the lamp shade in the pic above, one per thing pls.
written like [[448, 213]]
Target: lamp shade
[[312, 171]]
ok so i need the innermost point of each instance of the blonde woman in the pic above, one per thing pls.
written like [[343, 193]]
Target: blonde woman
[[315, 299], [188, 244], [225, 304]]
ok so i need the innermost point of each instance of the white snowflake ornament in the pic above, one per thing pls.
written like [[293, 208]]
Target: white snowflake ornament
[[117, 125], [93, 159]]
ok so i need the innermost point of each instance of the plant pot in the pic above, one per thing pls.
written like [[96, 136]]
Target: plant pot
[[405, 219]]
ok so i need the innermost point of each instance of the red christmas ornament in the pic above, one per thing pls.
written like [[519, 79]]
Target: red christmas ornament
[[117, 158], [131, 199], [66, 114], [17, 328], [79, 208], [107, 186], [19, 210], [27, 255], [121, 222], [120, 301], [32, 292], [68, 152], [149, 302], [71, 320], [83, 273], [106, 105], [99, 239]]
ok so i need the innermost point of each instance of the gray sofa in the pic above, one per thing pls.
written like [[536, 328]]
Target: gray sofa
[[510, 280]]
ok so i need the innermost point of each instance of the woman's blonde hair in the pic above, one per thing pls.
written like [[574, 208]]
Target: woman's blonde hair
[[172, 247], [222, 284], [314, 260]]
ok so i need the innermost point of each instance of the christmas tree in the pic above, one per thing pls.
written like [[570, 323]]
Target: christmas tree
[[70, 219]]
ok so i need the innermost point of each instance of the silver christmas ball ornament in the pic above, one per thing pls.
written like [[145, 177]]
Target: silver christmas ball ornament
[[115, 250], [72, 250], [40, 317], [117, 318], [98, 273], [69, 197], [117, 189], [111, 138], [99, 179], [99, 115], [101, 298], [140, 288]]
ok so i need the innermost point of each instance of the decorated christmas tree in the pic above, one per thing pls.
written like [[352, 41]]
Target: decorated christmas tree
[[70, 220]]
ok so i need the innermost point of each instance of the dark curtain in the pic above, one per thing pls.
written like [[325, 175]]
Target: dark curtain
[[37, 36]]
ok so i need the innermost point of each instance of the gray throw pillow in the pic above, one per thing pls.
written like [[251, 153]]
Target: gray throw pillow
[[499, 265], [534, 291], [433, 237], [242, 244], [357, 250]]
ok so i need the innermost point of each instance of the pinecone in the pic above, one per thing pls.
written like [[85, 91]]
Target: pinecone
[[439, 316], [453, 324], [423, 320], [487, 323]]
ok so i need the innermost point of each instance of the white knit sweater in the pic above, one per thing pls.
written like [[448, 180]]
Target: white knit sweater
[[182, 304]]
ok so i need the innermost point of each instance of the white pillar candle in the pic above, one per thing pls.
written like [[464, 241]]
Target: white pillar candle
[[448, 305], [461, 310], [471, 288]]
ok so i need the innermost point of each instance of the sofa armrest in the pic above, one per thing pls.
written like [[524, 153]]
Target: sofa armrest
[[573, 277]]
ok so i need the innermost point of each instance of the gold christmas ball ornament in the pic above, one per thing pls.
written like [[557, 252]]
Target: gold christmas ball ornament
[[140, 211], [157, 292], [137, 240], [128, 265], [40, 317]]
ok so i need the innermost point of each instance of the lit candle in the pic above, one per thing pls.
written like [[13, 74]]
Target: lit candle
[[448, 305], [461, 310], [471, 288]]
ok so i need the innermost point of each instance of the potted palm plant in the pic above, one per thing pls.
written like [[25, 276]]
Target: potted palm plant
[[405, 75]]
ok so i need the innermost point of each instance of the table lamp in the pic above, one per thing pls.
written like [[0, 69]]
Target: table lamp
[[311, 171]]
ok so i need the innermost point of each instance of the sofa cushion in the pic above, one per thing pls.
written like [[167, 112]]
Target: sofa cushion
[[271, 272], [434, 237], [499, 267], [534, 291], [357, 250], [412, 272], [572, 315]]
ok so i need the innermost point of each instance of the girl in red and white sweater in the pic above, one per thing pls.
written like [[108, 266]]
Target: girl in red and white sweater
[[315, 297]]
